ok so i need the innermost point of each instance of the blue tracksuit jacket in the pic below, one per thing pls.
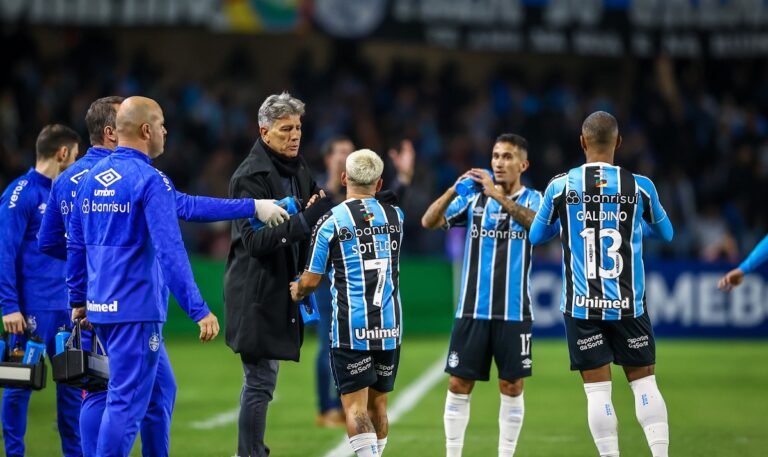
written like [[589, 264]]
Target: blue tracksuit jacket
[[52, 239], [29, 280], [134, 248]]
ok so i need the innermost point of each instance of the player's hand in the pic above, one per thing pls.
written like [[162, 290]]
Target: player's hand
[[269, 213], [209, 327], [731, 279], [460, 179], [403, 161], [295, 295], [483, 178], [14, 323]]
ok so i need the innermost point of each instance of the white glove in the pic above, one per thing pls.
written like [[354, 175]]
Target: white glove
[[269, 213]]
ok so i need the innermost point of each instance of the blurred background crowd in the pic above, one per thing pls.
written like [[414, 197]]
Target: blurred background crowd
[[697, 127]]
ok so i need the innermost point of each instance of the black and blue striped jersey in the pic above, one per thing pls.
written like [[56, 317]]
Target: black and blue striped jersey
[[601, 209], [358, 242], [497, 257]]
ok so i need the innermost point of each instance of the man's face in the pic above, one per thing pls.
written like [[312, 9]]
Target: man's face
[[69, 159], [284, 135], [337, 159], [157, 134], [506, 163]]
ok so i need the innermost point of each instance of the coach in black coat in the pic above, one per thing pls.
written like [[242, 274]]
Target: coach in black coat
[[262, 324]]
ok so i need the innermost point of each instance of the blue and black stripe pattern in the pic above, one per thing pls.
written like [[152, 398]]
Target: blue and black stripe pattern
[[358, 242], [497, 257], [601, 208]]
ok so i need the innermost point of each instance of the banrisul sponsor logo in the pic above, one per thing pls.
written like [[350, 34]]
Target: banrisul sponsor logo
[[16, 191], [601, 303], [498, 234], [376, 333], [102, 307], [573, 198]]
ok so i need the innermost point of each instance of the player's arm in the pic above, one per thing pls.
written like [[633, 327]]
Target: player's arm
[[77, 268], [268, 239], [522, 215], [164, 232], [14, 218], [193, 208], [755, 258], [51, 238], [659, 225], [546, 225], [317, 264], [449, 210]]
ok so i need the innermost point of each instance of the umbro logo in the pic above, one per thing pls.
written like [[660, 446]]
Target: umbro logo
[[527, 362], [572, 198], [76, 178], [109, 177]]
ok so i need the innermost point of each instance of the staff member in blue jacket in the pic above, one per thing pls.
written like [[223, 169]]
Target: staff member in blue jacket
[[122, 252], [100, 121], [33, 295]]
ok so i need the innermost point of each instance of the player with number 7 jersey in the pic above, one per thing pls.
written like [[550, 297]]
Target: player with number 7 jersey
[[604, 211]]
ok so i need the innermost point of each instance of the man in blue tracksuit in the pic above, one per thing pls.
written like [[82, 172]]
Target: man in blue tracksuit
[[122, 252], [100, 121], [33, 296]]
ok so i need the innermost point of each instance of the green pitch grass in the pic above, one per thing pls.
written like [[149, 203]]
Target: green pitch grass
[[716, 393]]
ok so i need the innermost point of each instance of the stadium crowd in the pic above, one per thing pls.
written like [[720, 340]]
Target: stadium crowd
[[698, 128]]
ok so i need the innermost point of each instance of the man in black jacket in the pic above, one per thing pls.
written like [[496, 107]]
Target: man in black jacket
[[263, 325]]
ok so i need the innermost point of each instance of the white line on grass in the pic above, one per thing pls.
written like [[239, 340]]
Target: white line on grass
[[219, 420], [227, 417], [404, 402]]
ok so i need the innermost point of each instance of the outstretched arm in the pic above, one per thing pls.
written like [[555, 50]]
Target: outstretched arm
[[755, 258]]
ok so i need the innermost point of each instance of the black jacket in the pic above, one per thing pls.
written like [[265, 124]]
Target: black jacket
[[261, 320]]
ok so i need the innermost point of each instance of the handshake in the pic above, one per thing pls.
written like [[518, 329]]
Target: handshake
[[274, 212]]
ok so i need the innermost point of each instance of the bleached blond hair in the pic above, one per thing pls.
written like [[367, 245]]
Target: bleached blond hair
[[364, 167]]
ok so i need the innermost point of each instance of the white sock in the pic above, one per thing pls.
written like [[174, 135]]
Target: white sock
[[602, 418], [381, 444], [511, 413], [364, 445], [455, 420], [652, 414]]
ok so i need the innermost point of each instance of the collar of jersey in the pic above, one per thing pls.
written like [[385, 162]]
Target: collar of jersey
[[361, 199], [518, 193], [133, 153], [97, 151], [600, 164], [38, 177]]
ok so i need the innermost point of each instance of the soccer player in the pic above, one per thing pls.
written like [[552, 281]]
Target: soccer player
[[604, 211], [360, 241], [123, 251], [755, 258], [33, 295], [493, 318], [100, 121]]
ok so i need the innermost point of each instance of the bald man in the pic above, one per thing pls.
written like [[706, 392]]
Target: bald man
[[604, 211], [123, 251]]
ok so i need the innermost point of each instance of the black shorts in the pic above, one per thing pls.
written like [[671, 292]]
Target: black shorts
[[474, 342], [594, 343], [354, 370]]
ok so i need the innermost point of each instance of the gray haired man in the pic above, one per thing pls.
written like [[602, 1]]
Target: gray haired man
[[263, 325]]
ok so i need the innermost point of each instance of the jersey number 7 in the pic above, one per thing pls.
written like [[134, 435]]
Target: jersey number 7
[[380, 265]]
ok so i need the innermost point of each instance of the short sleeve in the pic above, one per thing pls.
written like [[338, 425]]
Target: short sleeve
[[319, 251]]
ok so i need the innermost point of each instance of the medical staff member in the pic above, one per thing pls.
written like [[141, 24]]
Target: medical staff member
[[33, 296], [122, 251], [100, 122]]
